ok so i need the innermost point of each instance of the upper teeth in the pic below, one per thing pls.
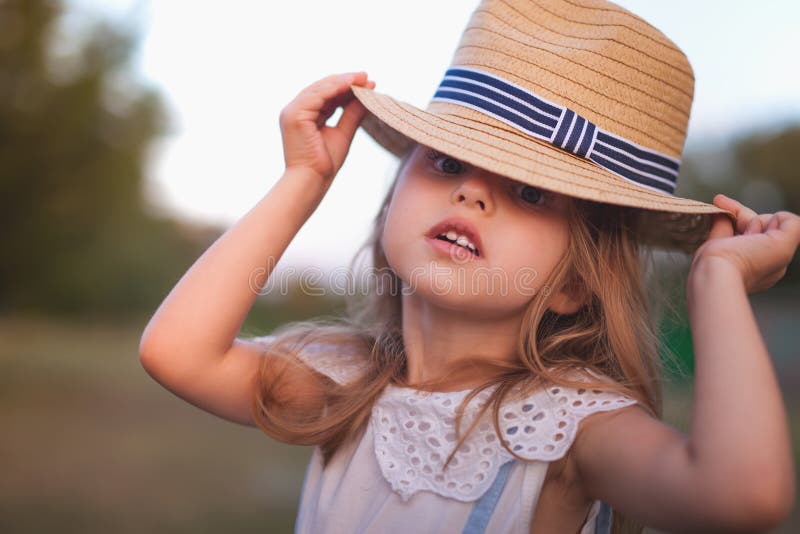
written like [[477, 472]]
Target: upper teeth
[[461, 239]]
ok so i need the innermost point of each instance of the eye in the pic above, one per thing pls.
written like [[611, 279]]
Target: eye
[[531, 195], [446, 164]]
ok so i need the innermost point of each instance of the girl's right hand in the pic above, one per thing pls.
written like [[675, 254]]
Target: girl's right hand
[[308, 144]]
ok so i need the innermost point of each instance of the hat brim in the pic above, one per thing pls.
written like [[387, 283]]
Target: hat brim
[[667, 221]]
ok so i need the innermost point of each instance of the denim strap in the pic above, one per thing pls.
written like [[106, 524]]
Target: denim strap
[[482, 511], [602, 523]]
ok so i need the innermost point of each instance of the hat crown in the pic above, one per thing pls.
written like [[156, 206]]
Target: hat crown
[[579, 97], [592, 56]]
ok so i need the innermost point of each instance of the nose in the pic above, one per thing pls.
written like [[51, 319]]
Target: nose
[[474, 191]]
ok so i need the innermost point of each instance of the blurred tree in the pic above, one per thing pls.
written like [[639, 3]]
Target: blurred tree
[[75, 129], [761, 170], [773, 159]]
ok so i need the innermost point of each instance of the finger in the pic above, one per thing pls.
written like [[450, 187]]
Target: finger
[[324, 114], [338, 81], [774, 223], [721, 226], [317, 95], [788, 224], [351, 118], [341, 101], [757, 224], [786, 236], [331, 106], [743, 213], [345, 99], [335, 79]]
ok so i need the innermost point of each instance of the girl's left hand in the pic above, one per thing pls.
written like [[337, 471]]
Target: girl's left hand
[[759, 247]]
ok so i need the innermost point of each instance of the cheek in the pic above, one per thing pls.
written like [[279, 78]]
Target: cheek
[[404, 217], [396, 235], [388, 238], [532, 256]]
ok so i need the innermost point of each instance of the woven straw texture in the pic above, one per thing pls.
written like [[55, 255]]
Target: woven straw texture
[[591, 56]]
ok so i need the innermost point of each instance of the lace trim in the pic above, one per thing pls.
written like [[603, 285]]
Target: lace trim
[[414, 432]]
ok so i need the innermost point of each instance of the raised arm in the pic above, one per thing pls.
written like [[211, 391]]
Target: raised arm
[[190, 345], [734, 472]]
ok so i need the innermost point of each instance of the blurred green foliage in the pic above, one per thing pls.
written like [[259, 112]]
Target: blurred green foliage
[[90, 443], [75, 129], [676, 335], [759, 169], [774, 158]]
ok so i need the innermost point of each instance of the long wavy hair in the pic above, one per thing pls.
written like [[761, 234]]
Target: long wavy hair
[[613, 334]]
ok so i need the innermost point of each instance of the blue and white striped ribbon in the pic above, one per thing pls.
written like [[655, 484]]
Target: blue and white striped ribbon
[[558, 125]]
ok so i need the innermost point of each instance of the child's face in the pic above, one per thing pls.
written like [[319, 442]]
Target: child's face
[[522, 233]]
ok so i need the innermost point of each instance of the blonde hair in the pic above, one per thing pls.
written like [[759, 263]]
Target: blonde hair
[[613, 334]]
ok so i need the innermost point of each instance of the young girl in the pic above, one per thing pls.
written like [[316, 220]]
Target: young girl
[[503, 373]]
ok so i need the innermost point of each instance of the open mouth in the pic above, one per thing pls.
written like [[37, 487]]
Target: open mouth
[[459, 240], [458, 232]]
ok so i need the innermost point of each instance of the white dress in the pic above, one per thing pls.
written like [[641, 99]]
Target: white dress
[[391, 478]]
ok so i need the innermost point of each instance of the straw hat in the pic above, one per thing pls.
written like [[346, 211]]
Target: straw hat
[[580, 97]]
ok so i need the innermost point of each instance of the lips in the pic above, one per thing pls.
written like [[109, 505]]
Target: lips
[[459, 226]]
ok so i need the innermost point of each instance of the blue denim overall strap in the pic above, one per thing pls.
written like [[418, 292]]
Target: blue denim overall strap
[[602, 524], [482, 511]]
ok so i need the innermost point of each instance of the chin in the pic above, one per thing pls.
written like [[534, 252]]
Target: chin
[[450, 283], [454, 292]]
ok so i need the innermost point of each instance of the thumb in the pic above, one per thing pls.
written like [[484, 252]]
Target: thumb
[[721, 226], [352, 115]]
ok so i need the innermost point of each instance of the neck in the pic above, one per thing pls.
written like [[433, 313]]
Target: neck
[[438, 339]]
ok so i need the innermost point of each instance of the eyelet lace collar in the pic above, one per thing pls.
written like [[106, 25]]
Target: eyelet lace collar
[[414, 432]]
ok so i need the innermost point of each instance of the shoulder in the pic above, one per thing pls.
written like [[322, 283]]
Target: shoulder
[[341, 362], [543, 424]]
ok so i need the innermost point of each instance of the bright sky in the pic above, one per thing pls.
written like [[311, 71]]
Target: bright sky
[[227, 69]]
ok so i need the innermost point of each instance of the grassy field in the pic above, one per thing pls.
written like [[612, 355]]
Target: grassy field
[[91, 444]]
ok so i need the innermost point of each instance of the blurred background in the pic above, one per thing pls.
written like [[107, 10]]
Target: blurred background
[[133, 133]]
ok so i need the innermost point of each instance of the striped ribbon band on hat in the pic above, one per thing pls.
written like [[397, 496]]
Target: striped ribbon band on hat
[[558, 125]]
